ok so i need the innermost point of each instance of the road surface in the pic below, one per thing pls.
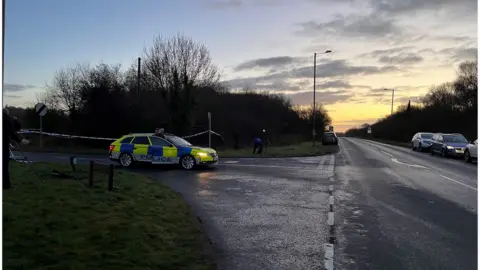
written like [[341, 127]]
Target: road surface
[[393, 208], [399, 209]]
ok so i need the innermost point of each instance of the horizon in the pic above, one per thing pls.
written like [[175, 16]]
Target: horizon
[[273, 42]]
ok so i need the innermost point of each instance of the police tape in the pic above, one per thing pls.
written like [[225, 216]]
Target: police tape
[[66, 136]]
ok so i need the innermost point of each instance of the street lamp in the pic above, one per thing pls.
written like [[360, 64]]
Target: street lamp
[[314, 82], [393, 94]]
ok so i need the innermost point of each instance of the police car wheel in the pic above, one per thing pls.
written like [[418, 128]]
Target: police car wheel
[[187, 162], [126, 160]]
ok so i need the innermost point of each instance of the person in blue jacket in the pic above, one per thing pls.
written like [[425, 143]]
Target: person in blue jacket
[[257, 144]]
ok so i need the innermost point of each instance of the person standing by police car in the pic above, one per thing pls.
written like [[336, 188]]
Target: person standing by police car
[[159, 132], [10, 128]]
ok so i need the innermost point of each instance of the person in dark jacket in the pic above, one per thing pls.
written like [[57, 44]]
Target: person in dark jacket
[[160, 132], [265, 140], [10, 129], [257, 144]]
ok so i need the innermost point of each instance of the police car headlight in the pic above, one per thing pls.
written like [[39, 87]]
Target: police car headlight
[[201, 154]]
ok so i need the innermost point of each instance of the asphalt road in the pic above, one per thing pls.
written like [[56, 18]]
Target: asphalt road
[[394, 208], [259, 214], [399, 209]]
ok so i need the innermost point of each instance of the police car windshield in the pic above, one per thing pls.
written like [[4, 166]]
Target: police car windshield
[[177, 141]]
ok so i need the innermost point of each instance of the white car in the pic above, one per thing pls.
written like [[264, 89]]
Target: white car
[[422, 141], [471, 152]]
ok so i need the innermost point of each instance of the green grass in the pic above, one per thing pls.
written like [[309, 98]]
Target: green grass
[[51, 223], [294, 150]]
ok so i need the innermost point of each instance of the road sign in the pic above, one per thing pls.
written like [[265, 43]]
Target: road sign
[[41, 109], [369, 130]]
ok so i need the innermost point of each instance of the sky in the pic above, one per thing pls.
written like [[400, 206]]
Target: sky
[[263, 45]]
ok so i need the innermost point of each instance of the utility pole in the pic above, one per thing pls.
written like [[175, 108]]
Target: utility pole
[[314, 88], [138, 77], [3, 40], [393, 95], [314, 132]]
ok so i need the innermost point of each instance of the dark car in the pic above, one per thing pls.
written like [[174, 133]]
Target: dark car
[[329, 138], [448, 144]]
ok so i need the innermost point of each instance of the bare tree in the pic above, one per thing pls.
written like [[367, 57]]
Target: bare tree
[[66, 87], [442, 95], [180, 55], [466, 85], [49, 99]]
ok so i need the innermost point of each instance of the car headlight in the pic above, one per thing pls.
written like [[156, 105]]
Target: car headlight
[[450, 147], [202, 154]]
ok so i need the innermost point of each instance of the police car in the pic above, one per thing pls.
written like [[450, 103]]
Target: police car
[[149, 148]]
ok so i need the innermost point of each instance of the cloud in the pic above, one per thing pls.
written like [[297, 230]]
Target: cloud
[[267, 83], [404, 7], [386, 52], [223, 4], [297, 79], [401, 59], [460, 54], [228, 4], [334, 84], [363, 26], [323, 97], [272, 62], [339, 68], [11, 87], [395, 56], [12, 96]]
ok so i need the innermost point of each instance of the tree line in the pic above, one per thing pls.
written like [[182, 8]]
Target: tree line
[[448, 108], [177, 86]]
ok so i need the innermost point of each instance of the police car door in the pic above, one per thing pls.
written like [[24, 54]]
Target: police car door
[[140, 148], [162, 151]]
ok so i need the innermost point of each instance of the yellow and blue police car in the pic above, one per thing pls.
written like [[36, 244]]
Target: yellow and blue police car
[[149, 148]]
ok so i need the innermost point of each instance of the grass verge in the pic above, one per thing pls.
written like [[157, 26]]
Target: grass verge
[[51, 223], [294, 150]]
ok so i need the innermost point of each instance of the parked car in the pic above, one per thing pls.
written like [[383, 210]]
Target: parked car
[[329, 138], [149, 148], [448, 144], [422, 141], [471, 152]]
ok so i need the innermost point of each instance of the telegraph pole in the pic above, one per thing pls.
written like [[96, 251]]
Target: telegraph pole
[[138, 77], [314, 132], [314, 83]]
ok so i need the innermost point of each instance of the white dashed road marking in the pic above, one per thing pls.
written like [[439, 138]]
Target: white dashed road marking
[[330, 200], [326, 169], [386, 153], [328, 256], [458, 182], [410, 165], [331, 218], [231, 161]]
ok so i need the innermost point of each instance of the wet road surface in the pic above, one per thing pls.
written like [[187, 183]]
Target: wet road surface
[[394, 208], [259, 213], [399, 209]]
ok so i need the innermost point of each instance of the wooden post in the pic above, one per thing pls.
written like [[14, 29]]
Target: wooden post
[[90, 174], [110, 177]]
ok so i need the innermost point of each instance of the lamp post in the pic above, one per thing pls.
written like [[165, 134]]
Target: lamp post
[[314, 82], [393, 94]]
